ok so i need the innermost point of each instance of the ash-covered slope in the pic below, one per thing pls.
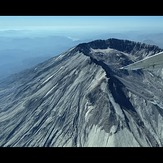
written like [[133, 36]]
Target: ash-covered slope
[[81, 98], [151, 62]]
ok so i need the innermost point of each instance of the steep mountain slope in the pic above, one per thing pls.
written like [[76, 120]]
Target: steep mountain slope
[[152, 62], [82, 98]]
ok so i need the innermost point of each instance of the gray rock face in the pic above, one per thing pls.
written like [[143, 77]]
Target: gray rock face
[[82, 98]]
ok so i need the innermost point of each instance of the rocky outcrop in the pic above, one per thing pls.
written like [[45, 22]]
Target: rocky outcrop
[[137, 49], [82, 99]]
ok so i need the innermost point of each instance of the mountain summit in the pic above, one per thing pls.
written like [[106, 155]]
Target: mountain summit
[[82, 98]]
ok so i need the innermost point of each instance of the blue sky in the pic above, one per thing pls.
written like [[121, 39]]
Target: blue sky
[[107, 23]]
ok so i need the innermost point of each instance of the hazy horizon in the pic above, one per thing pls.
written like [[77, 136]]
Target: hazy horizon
[[82, 23], [28, 40]]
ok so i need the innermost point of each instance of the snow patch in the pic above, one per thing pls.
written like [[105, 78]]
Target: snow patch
[[101, 50], [48, 79], [50, 90]]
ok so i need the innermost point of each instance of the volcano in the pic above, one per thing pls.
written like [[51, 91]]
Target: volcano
[[83, 98]]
